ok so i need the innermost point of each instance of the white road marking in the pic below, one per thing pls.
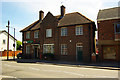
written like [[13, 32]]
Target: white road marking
[[34, 68]]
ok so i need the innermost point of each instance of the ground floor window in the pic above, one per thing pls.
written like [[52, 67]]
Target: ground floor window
[[48, 48], [64, 49], [28, 49], [109, 52]]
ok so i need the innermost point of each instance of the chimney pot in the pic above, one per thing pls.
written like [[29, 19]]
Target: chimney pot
[[41, 15], [62, 10]]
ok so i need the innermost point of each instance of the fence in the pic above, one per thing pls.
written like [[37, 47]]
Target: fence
[[11, 53]]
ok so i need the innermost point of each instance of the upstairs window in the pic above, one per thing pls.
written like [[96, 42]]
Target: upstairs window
[[27, 35], [79, 30], [117, 28], [63, 49], [4, 42], [64, 31], [48, 32], [36, 34]]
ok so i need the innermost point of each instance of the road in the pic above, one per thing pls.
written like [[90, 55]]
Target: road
[[11, 69]]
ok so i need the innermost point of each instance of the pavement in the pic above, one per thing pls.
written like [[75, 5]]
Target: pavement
[[103, 65]]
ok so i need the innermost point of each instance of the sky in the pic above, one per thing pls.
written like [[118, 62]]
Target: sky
[[22, 13]]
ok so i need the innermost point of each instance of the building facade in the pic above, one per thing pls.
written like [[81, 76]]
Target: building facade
[[108, 22], [3, 41], [70, 37]]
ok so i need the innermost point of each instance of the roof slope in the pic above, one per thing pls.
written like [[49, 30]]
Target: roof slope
[[7, 33], [73, 19], [111, 13], [32, 26], [69, 19]]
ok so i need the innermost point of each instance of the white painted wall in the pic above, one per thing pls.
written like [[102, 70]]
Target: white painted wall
[[3, 36]]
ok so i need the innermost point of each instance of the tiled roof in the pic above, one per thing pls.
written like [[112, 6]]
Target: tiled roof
[[107, 14], [32, 26], [69, 19], [74, 19]]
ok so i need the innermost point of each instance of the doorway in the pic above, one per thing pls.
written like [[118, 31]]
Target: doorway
[[35, 51], [79, 52]]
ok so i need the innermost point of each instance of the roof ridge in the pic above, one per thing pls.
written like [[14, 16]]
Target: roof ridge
[[109, 8]]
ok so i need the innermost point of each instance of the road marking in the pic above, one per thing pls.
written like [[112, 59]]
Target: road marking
[[34, 68]]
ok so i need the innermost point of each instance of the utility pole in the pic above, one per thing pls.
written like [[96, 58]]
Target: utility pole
[[8, 41], [14, 43]]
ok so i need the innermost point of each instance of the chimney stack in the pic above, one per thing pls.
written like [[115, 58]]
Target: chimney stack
[[41, 15], [62, 10]]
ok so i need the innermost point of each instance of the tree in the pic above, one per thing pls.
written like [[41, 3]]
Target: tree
[[19, 45]]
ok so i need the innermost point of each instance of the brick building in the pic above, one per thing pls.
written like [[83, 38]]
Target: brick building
[[108, 22], [70, 37]]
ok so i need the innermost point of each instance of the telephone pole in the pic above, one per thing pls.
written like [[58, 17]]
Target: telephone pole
[[8, 41]]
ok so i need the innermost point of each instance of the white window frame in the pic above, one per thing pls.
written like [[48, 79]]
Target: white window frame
[[79, 30], [64, 31], [27, 35], [36, 34], [47, 51], [48, 32], [64, 50], [27, 49]]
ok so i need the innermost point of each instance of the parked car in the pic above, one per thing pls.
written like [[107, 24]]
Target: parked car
[[19, 55]]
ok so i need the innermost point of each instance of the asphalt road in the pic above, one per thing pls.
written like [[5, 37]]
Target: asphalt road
[[11, 69]]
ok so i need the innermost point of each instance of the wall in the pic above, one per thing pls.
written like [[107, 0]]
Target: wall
[[4, 46]]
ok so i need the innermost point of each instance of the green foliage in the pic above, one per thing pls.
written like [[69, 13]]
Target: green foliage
[[19, 43]]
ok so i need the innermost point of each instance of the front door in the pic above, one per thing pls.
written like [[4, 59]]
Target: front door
[[35, 51], [79, 53]]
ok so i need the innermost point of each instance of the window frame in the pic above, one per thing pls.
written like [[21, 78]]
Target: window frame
[[27, 49], [36, 34], [28, 35], [51, 47], [48, 35], [79, 30], [115, 26], [64, 50], [64, 31]]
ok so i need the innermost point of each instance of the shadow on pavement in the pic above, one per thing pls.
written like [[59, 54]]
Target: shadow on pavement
[[104, 65]]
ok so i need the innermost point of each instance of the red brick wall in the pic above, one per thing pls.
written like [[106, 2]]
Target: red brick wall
[[86, 39], [106, 32], [106, 29]]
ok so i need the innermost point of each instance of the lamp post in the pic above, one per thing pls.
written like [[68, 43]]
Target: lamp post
[[8, 41]]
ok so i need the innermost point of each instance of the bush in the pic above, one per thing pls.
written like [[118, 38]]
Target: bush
[[48, 56]]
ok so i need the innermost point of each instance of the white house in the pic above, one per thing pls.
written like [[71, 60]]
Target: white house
[[3, 41]]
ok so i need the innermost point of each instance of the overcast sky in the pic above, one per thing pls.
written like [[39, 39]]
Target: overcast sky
[[22, 13]]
